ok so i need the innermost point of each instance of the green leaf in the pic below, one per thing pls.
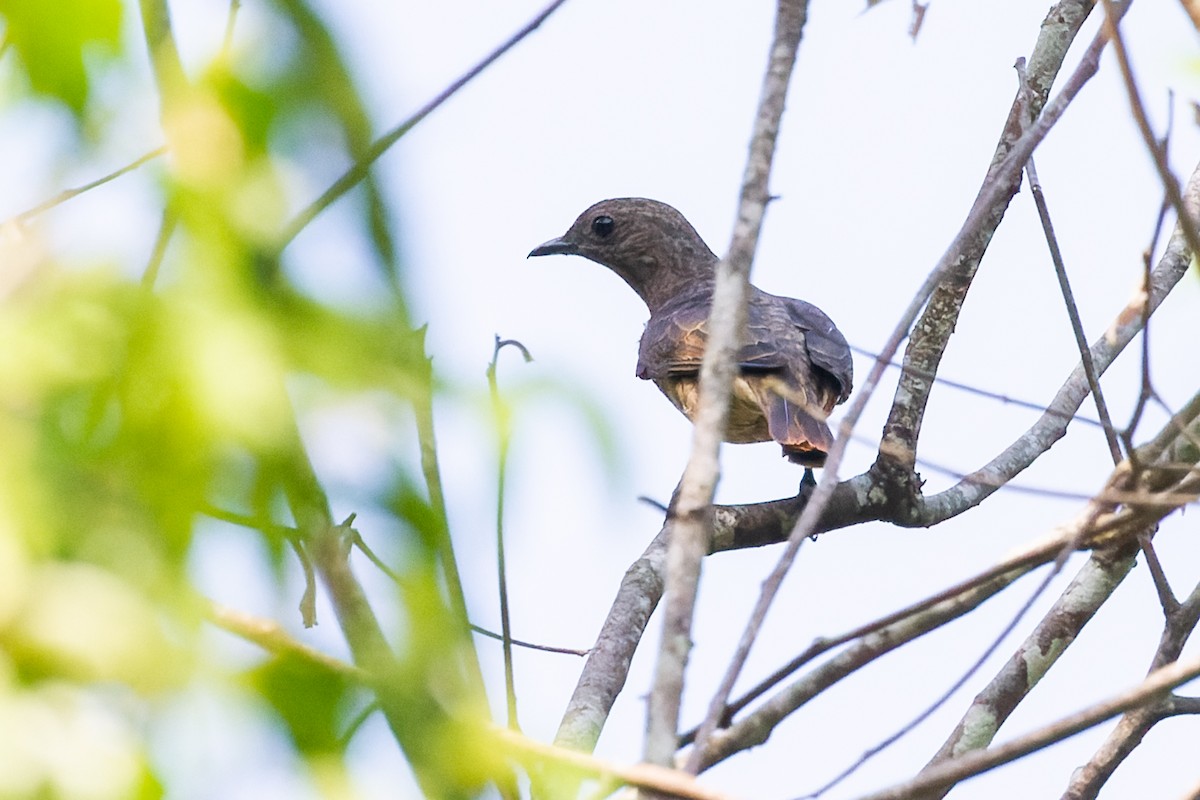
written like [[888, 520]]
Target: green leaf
[[51, 40], [312, 702]]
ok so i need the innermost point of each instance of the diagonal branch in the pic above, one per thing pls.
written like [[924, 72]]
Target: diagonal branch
[[1050, 428], [958, 266], [607, 666], [690, 516], [1091, 587], [370, 154], [1170, 466], [1156, 684], [270, 636], [948, 276]]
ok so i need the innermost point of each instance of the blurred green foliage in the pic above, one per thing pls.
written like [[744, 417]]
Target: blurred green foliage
[[133, 408], [54, 40]]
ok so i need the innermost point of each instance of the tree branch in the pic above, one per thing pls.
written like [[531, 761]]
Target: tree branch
[[607, 664], [270, 636], [1087, 781], [955, 770], [362, 166], [1088, 591], [1170, 465], [957, 268], [898, 488], [666, 782], [690, 517]]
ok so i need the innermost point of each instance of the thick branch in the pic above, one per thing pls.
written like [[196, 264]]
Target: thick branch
[[607, 664], [1087, 781], [1053, 426], [1083, 597], [897, 453], [1170, 465]]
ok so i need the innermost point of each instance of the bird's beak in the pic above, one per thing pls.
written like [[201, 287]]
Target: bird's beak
[[554, 247]]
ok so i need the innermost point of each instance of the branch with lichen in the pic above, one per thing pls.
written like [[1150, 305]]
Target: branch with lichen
[[864, 498]]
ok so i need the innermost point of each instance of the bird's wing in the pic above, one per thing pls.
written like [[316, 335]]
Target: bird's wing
[[673, 342], [827, 347]]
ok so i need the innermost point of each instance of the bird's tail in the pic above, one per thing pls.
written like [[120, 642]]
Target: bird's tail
[[799, 427]]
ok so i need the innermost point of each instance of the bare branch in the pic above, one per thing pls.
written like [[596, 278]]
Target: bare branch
[[1049, 429], [270, 636], [955, 770], [607, 665], [1064, 283], [1187, 216], [1087, 781], [949, 276], [858, 500], [362, 167], [503, 434], [1088, 591], [958, 266], [1099, 524], [754, 729], [68, 194], [670, 782], [1000, 397], [691, 515]]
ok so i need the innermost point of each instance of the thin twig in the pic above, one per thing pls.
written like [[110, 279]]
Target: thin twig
[[270, 636], [667, 782], [1166, 597], [500, 419], [1096, 526], [1005, 399], [945, 696], [230, 22], [1064, 283], [1087, 781], [68, 194], [999, 186], [957, 769], [1091, 587], [692, 507], [361, 167], [1008, 571], [1112, 29], [545, 648], [166, 228], [1129, 321]]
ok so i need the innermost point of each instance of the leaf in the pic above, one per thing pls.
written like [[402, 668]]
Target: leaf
[[311, 701], [51, 44]]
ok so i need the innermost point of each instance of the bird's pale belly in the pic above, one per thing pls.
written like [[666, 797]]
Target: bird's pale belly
[[746, 421]]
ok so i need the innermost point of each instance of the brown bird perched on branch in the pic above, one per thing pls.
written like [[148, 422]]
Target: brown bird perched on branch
[[793, 364]]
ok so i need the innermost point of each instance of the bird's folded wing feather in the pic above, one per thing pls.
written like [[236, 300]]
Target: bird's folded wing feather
[[827, 347]]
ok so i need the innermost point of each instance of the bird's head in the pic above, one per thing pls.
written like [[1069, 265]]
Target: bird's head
[[646, 242]]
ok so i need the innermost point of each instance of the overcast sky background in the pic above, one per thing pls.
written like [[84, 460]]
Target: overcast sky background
[[882, 149]]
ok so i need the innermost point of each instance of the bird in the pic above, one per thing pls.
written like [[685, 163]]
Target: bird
[[794, 365]]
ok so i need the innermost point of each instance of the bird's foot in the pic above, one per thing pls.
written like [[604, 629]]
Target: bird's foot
[[808, 482]]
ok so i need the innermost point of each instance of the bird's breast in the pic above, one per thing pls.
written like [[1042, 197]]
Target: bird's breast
[[746, 421]]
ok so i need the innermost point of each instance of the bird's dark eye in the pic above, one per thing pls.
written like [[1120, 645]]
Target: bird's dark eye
[[602, 225]]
